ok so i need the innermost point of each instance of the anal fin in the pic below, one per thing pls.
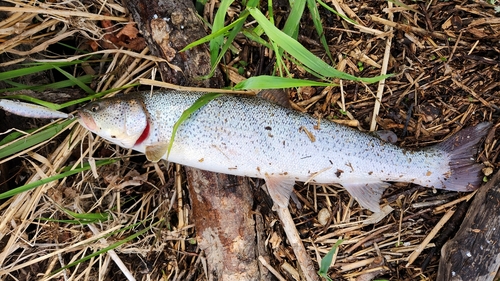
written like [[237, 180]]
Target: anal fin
[[367, 194], [280, 188]]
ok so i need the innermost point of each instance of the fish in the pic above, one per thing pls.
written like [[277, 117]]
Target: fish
[[252, 137]]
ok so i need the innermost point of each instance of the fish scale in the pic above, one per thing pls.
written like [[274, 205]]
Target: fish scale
[[248, 136]]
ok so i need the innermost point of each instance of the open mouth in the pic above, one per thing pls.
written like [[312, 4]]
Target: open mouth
[[86, 120]]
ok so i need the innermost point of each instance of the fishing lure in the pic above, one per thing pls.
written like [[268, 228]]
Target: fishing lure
[[31, 110]]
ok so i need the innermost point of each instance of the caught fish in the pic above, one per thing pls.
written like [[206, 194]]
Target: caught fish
[[252, 137]]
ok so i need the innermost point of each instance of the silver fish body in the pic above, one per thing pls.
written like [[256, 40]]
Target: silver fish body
[[252, 137]]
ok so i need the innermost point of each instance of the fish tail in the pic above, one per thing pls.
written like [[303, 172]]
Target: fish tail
[[465, 173]]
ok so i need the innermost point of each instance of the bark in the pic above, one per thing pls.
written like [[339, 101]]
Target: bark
[[474, 252], [224, 224], [168, 26], [222, 205]]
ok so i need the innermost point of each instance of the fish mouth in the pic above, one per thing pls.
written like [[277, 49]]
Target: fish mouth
[[86, 120]]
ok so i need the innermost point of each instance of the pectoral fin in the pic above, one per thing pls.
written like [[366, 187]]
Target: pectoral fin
[[156, 151], [367, 194], [280, 188], [277, 96], [387, 136]]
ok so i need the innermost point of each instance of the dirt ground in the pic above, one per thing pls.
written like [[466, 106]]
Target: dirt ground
[[445, 57]]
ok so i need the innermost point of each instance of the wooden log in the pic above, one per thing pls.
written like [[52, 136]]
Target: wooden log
[[225, 228], [168, 27], [474, 252]]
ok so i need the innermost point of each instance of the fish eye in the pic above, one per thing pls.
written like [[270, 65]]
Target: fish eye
[[94, 108]]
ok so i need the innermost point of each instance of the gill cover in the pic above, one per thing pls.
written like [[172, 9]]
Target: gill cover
[[118, 120]]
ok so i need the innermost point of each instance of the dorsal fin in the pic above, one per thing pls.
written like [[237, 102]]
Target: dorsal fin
[[277, 96]]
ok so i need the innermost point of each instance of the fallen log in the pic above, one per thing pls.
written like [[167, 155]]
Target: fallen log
[[474, 252]]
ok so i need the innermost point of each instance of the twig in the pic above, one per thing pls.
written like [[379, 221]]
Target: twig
[[113, 254], [471, 91], [455, 202], [429, 237], [363, 240], [150, 82], [383, 71], [297, 245], [65, 13], [408, 28], [270, 268]]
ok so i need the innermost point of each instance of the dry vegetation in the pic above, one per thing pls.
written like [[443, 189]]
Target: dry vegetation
[[446, 60]]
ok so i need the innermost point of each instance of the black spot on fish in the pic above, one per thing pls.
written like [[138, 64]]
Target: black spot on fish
[[338, 173], [370, 173], [331, 162], [268, 128], [113, 137]]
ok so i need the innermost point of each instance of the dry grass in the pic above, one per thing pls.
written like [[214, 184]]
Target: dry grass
[[447, 62]]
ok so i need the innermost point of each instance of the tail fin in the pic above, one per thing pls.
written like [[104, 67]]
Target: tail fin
[[462, 149]]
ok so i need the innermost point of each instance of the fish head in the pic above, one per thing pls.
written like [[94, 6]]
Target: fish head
[[120, 121]]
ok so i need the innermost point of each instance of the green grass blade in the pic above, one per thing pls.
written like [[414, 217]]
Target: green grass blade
[[80, 219], [14, 84], [218, 24], [57, 85], [34, 139], [327, 260], [14, 135], [88, 217], [274, 82], [110, 247], [77, 50], [75, 221], [303, 55], [203, 100], [254, 36], [337, 13], [252, 3], [35, 184], [222, 31], [291, 28], [313, 10], [229, 41], [270, 11], [34, 68], [292, 23], [75, 80], [97, 95]]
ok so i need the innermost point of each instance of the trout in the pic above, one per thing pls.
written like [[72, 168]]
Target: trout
[[249, 136]]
